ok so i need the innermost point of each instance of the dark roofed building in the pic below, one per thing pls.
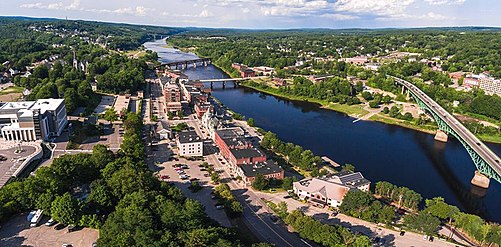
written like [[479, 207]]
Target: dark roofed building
[[189, 144], [269, 169]]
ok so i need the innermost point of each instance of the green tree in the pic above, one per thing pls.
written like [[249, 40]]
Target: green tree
[[110, 115], [423, 222], [260, 183], [438, 208], [251, 122], [65, 209]]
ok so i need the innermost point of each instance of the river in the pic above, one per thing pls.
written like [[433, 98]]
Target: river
[[381, 152]]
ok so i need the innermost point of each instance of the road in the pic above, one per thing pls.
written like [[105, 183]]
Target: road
[[478, 146], [256, 215], [389, 237]]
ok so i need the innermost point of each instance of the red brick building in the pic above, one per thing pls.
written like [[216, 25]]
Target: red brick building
[[247, 73], [269, 169], [236, 149]]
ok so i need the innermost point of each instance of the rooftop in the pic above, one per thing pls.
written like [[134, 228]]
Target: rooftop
[[47, 104], [264, 168], [247, 153], [17, 105], [189, 137]]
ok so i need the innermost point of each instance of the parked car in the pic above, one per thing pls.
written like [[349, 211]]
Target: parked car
[[402, 233], [184, 177], [164, 177], [219, 206], [59, 227], [2, 158], [72, 228], [50, 222]]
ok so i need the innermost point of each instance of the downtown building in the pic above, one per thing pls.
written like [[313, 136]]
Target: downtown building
[[245, 160], [32, 120], [330, 190], [189, 144]]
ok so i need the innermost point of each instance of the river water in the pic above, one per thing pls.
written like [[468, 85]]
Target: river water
[[381, 152]]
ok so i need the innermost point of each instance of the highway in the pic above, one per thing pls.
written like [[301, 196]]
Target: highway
[[478, 146]]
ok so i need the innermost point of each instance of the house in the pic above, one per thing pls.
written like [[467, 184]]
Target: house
[[456, 76], [330, 190], [263, 70], [358, 60], [269, 169], [189, 144], [238, 66], [247, 73], [163, 130], [471, 82], [280, 82]]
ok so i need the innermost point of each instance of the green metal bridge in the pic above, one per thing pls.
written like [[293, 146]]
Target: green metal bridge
[[486, 161]]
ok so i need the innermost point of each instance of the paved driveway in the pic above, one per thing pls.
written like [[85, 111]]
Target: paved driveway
[[16, 232]]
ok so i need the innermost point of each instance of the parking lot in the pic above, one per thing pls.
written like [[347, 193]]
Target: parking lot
[[167, 170], [17, 232]]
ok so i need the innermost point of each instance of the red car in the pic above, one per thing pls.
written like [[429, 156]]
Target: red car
[[164, 177]]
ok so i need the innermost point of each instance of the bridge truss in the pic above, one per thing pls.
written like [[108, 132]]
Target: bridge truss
[[482, 166]]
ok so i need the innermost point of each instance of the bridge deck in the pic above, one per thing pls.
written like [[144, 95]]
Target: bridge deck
[[478, 146]]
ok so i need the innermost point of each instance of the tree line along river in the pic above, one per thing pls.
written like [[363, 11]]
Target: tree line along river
[[381, 152]]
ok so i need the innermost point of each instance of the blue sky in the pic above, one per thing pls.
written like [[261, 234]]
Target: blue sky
[[267, 13]]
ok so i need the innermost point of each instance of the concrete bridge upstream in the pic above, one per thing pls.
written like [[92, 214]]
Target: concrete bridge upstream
[[487, 162], [184, 64]]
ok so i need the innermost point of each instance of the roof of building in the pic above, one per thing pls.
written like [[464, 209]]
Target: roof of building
[[264, 168], [327, 189], [227, 133], [188, 137], [348, 178], [47, 104], [17, 105], [247, 153]]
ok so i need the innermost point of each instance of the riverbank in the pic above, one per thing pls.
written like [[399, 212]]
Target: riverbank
[[357, 111], [354, 111]]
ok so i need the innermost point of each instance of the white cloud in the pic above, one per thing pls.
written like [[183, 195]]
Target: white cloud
[[205, 13], [383, 8], [341, 17], [75, 5], [53, 6], [445, 2]]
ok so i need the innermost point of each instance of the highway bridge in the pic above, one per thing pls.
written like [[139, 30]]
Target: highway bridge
[[233, 79], [486, 161], [184, 64]]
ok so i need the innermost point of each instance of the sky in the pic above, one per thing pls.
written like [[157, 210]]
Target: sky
[[267, 14]]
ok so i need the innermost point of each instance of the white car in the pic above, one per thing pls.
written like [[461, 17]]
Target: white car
[[50, 222], [184, 176]]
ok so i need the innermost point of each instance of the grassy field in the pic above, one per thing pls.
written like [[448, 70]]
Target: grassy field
[[388, 120], [10, 90], [11, 94]]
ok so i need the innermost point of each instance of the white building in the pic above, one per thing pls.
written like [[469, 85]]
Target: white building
[[32, 120], [189, 144], [330, 190]]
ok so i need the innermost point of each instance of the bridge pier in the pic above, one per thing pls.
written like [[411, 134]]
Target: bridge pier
[[441, 136], [480, 180], [224, 85]]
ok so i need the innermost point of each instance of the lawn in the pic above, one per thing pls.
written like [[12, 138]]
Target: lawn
[[10, 90]]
